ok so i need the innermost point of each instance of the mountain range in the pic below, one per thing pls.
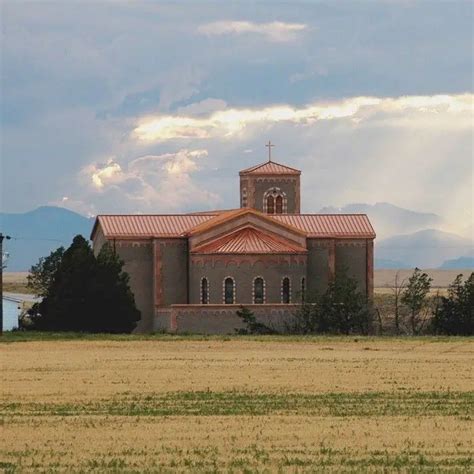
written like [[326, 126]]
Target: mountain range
[[405, 238], [36, 233], [389, 220]]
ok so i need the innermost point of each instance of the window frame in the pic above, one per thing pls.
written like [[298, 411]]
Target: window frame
[[224, 290], [254, 292], [201, 290], [283, 295]]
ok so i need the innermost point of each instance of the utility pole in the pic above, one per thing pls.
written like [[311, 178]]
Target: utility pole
[[1, 280]]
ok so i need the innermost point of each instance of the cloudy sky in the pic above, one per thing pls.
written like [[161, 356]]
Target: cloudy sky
[[149, 107]]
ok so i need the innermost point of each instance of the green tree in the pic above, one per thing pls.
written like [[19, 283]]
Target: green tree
[[454, 314], [87, 293], [415, 298], [43, 273], [343, 308], [114, 301]]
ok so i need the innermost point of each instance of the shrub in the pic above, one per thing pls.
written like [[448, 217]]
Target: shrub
[[454, 313]]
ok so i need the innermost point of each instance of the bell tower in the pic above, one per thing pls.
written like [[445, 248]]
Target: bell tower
[[270, 187]]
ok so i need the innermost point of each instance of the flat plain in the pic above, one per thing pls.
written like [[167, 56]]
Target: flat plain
[[237, 404]]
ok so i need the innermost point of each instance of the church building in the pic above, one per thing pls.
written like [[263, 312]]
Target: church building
[[191, 272]]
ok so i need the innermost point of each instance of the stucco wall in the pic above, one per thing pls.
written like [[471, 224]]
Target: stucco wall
[[174, 271], [351, 256], [318, 278], [220, 319], [244, 269], [138, 258]]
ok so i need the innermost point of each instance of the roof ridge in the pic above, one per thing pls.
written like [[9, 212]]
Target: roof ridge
[[267, 163], [323, 214], [156, 215]]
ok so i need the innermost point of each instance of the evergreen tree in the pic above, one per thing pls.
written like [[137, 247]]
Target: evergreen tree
[[87, 294], [455, 313], [343, 308], [111, 292]]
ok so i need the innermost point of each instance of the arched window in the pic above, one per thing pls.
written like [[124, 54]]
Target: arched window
[[279, 205], [258, 291], [303, 289], [204, 291], [270, 205], [285, 290], [275, 201], [229, 290]]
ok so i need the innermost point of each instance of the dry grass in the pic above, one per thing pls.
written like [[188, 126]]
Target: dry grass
[[15, 282], [441, 278], [237, 405]]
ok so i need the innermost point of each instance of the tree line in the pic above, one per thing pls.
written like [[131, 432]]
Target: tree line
[[84, 292], [344, 309]]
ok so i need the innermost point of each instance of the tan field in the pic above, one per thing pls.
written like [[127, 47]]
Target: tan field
[[167, 404], [441, 278], [15, 282]]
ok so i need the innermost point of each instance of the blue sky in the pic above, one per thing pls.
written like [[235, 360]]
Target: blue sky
[[113, 107]]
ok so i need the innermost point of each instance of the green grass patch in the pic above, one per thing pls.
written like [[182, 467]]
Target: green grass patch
[[33, 336], [234, 403]]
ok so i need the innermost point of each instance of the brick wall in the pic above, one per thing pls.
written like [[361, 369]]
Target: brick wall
[[244, 269], [219, 319]]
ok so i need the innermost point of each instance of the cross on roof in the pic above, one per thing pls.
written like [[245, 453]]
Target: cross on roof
[[269, 145]]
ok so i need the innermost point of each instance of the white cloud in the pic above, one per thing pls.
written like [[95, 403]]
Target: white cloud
[[104, 174], [445, 110], [276, 31], [149, 183]]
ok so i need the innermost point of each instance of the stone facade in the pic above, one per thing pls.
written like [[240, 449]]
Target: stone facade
[[243, 270], [178, 265], [254, 189], [220, 319]]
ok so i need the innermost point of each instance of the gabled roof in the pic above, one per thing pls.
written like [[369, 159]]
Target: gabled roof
[[249, 241], [148, 226], [270, 167], [230, 215], [343, 226]]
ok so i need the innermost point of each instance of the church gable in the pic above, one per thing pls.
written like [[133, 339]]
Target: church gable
[[232, 221], [249, 240], [270, 167]]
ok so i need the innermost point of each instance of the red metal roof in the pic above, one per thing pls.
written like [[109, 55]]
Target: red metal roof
[[249, 241], [314, 225], [148, 226], [330, 225], [270, 167], [229, 215]]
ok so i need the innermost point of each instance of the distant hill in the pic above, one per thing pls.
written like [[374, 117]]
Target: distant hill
[[36, 233], [425, 249], [461, 263], [385, 264], [388, 219]]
